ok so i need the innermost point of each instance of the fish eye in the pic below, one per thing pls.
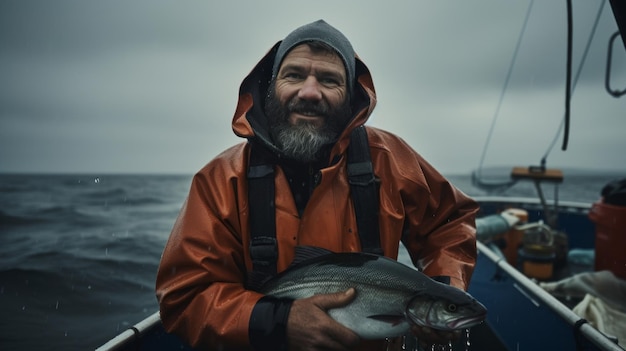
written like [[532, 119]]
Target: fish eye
[[452, 307]]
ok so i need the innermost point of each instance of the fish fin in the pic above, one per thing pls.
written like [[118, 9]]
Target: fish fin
[[393, 319], [303, 253]]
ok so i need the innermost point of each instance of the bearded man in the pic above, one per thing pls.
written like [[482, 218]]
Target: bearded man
[[298, 110]]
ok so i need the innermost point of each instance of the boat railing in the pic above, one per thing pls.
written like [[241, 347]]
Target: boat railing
[[132, 336], [564, 206]]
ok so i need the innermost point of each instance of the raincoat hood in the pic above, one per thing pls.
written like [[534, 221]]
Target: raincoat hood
[[250, 121]]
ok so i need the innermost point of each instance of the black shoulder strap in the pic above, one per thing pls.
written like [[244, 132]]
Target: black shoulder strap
[[263, 247], [364, 191], [261, 193]]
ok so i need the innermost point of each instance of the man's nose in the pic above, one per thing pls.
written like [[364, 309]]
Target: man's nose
[[310, 89]]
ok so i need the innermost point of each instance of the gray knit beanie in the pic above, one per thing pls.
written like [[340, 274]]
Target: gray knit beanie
[[319, 31]]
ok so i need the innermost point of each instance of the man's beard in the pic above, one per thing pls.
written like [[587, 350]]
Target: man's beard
[[305, 140]]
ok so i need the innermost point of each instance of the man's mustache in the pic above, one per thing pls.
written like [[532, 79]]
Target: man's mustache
[[307, 107]]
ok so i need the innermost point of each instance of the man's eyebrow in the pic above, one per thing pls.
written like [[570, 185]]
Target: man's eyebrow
[[292, 66], [325, 72], [332, 73]]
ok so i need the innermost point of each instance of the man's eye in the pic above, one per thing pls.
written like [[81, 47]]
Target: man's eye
[[293, 75], [329, 81]]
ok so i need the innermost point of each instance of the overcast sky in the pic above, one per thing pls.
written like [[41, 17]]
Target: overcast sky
[[151, 86]]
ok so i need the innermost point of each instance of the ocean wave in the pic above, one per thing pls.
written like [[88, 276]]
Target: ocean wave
[[65, 310], [78, 280], [116, 197], [7, 220], [141, 201], [99, 194], [28, 277], [79, 255], [67, 215], [10, 188]]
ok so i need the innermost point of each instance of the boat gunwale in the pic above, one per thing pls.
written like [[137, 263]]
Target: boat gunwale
[[133, 334], [566, 205]]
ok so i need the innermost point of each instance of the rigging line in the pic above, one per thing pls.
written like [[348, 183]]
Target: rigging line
[[578, 72], [506, 83], [568, 80]]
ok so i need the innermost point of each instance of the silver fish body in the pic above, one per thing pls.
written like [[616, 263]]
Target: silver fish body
[[390, 296]]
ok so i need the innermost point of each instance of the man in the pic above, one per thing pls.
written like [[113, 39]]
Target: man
[[298, 108]]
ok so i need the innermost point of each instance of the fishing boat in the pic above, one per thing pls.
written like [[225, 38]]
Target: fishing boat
[[525, 245]]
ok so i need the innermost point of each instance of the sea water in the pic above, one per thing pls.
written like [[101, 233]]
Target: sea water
[[79, 253]]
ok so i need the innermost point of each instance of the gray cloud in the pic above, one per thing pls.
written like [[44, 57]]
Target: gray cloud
[[151, 86]]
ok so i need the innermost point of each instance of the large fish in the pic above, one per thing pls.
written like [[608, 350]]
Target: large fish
[[389, 295]]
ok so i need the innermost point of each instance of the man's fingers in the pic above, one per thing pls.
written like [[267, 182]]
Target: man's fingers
[[340, 334], [309, 327], [330, 301]]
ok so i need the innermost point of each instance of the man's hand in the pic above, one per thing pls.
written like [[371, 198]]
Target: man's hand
[[427, 336], [309, 327]]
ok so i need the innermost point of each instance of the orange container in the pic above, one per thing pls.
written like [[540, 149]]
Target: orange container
[[537, 261], [514, 237], [610, 221]]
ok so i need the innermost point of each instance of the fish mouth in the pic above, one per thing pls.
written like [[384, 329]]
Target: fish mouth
[[468, 322]]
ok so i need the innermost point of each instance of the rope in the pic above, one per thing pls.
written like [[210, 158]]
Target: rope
[[506, 83], [578, 72], [568, 79]]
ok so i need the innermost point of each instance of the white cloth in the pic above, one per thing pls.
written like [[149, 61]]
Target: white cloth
[[604, 300]]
